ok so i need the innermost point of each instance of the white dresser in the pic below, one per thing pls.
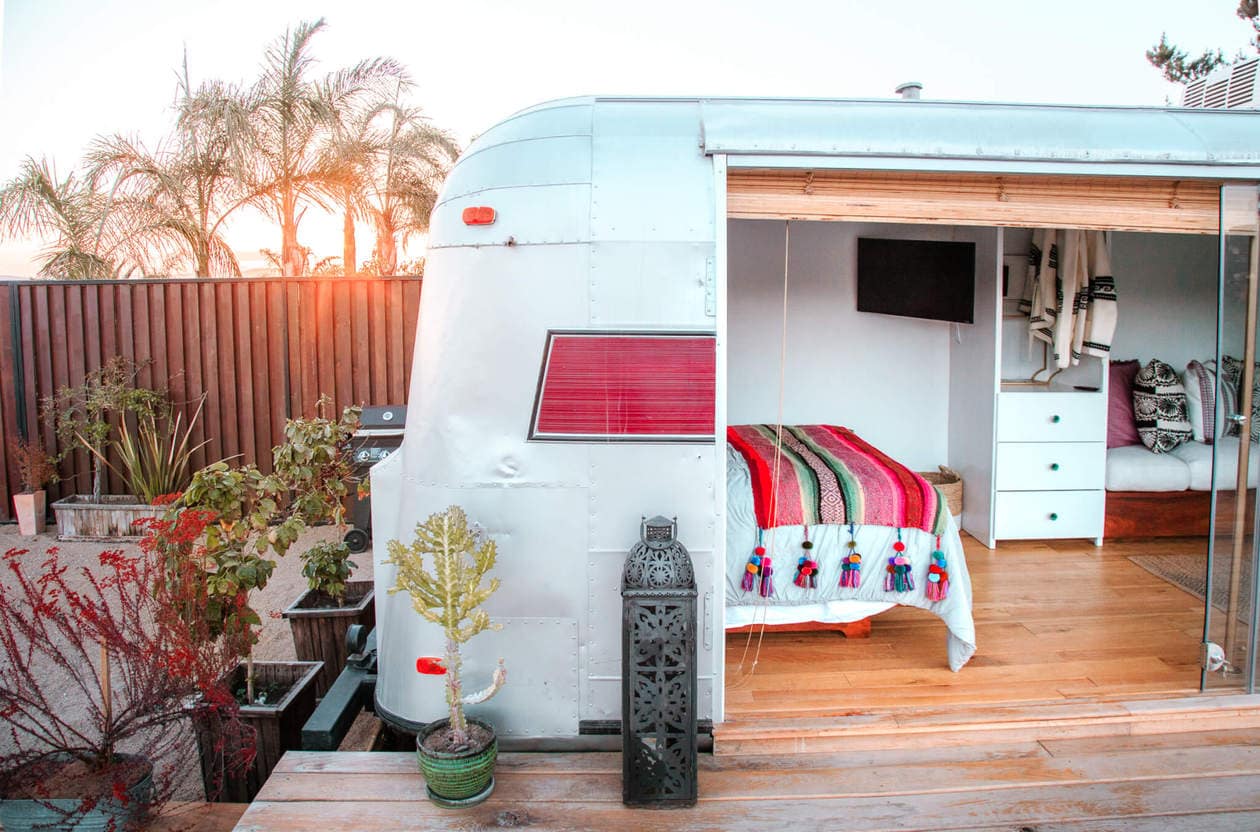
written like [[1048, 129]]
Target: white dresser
[[1049, 464]]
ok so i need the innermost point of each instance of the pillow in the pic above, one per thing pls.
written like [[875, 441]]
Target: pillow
[[1231, 369], [1203, 410], [1159, 407], [1121, 427]]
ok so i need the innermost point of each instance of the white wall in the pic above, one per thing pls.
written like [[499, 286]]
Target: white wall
[[885, 377]]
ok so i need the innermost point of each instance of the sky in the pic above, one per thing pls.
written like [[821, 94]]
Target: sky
[[73, 69]]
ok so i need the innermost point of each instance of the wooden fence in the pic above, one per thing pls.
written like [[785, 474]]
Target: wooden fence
[[259, 349]]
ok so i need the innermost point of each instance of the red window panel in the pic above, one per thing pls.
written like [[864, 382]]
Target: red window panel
[[636, 386]]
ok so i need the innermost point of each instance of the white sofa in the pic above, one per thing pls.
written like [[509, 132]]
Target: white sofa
[[1186, 468]]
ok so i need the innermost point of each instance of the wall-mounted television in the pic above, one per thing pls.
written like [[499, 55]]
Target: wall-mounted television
[[917, 279]]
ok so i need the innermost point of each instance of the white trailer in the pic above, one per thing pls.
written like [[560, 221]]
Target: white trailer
[[609, 216]]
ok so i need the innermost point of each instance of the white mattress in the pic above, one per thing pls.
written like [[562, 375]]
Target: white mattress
[[829, 602]]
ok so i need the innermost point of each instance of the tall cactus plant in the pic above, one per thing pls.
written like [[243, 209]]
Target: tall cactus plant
[[450, 595]]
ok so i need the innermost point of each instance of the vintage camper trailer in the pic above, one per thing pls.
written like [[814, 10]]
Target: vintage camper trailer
[[612, 282]]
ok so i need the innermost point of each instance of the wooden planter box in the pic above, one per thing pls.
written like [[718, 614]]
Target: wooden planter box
[[277, 728], [319, 629], [79, 517]]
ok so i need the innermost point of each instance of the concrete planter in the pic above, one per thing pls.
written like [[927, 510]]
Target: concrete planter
[[112, 517], [276, 728], [31, 509], [66, 813], [319, 628]]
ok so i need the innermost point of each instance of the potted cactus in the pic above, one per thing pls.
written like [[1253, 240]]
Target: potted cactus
[[457, 754]]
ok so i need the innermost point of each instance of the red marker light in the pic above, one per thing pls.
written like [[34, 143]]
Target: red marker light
[[430, 666], [479, 215]]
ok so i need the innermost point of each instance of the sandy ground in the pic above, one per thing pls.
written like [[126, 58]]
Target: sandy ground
[[285, 586]]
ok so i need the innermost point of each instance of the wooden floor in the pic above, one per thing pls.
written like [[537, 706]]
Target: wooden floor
[[1056, 621], [1203, 781]]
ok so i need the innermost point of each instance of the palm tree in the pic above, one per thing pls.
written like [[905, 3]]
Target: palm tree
[[412, 158], [190, 182], [345, 168], [91, 234], [278, 126]]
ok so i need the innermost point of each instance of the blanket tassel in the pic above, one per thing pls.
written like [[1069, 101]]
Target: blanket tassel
[[851, 564], [938, 575], [899, 577], [806, 566], [753, 570]]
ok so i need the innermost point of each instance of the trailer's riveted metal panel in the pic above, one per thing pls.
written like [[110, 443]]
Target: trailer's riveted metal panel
[[640, 155], [981, 131], [562, 160], [559, 118], [557, 214], [541, 655], [656, 286]]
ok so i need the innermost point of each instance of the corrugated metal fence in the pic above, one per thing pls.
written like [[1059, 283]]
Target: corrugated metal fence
[[260, 349]]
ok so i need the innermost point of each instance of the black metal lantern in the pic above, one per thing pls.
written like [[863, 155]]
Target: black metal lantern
[[658, 670]]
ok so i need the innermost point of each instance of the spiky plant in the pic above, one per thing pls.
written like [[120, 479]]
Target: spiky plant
[[450, 595]]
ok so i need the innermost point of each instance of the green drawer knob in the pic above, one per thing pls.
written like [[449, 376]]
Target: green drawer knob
[[1054, 466], [1054, 516], [1056, 418]]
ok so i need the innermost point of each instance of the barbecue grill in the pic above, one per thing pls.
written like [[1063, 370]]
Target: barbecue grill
[[379, 435]]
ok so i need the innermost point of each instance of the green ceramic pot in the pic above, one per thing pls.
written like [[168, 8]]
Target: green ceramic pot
[[457, 779], [67, 815]]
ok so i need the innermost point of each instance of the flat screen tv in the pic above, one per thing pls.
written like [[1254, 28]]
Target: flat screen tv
[[917, 279]]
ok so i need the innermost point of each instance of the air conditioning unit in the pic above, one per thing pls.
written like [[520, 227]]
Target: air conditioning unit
[[1230, 87]]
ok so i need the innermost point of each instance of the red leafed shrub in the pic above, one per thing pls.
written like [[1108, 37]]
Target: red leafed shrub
[[108, 661]]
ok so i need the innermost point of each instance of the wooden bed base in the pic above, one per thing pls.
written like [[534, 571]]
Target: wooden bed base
[[851, 629], [1169, 513]]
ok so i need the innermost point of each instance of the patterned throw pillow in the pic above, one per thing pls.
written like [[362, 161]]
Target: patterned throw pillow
[[1205, 408], [1231, 371], [1159, 407]]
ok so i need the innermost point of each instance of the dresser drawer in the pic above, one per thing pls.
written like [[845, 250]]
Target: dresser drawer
[[1051, 417], [1047, 466], [1030, 515]]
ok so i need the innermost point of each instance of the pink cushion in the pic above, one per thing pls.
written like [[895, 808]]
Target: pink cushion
[[1121, 423]]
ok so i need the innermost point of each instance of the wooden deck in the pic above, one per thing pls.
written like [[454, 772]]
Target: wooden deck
[[1202, 781]]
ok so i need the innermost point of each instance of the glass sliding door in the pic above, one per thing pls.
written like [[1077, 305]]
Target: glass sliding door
[[1230, 590]]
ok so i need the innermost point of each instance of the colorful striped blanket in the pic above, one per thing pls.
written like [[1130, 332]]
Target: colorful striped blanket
[[827, 474]]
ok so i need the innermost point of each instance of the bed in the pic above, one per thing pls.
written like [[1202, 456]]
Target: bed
[[807, 506]]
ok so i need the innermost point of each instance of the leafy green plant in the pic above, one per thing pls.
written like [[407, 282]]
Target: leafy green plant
[[84, 415], [256, 514], [450, 595], [156, 455], [34, 466], [326, 567]]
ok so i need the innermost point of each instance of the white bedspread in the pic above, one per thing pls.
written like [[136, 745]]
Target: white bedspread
[[791, 604]]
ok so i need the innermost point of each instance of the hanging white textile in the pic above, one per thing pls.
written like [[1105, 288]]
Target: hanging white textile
[[1070, 293]]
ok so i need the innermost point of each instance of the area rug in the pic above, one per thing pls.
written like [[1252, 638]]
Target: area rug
[[1187, 572]]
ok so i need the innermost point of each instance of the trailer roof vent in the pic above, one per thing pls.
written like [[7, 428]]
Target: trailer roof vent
[[1230, 87], [910, 90]]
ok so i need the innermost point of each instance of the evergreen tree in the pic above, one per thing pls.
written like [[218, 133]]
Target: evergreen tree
[[1178, 67]]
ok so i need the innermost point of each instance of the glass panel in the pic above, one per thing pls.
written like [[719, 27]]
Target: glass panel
[[1230, 576]]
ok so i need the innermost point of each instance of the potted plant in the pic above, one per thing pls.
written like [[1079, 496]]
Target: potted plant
[[319, 618], [456, 754], [35, 469], [84, 417], [95, 672], [252, 515]]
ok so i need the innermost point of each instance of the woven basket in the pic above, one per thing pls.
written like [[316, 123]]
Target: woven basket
[[456, 780], [950, 484]]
